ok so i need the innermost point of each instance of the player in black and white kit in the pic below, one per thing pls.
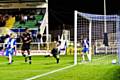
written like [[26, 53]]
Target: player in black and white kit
[[26, 40], [56, 52]]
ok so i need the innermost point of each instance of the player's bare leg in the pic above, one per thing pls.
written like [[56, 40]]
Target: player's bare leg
[[10, 59], [88, 56], [83, 57]]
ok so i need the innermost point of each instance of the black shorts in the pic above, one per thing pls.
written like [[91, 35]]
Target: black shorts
[[55, 51], [25, 47]]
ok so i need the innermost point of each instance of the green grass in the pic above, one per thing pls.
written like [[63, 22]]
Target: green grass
[[86, 72], [20, 70]]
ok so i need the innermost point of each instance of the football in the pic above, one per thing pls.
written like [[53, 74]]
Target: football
[[114, 61]]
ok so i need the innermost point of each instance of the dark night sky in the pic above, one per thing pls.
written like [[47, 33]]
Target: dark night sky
[[62, 11]]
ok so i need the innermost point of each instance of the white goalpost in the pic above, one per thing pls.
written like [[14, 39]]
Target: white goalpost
[[75, 37], [94, 27]]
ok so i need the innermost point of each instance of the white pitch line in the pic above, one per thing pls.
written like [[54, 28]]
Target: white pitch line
[[102, 57], [97, 59], [44, 74]]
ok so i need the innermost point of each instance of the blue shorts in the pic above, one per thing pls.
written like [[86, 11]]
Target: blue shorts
[[85, 50], [9, 51]]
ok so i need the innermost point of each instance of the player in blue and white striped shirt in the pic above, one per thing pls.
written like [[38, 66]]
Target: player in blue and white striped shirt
[[10, 45], [85, 50]]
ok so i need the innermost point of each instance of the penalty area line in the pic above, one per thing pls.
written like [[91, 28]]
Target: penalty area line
[[44, 74]]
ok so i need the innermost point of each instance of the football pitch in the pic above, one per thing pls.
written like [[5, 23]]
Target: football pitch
[[45, 68]]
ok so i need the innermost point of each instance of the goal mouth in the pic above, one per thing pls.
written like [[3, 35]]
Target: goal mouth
[[102, 32]]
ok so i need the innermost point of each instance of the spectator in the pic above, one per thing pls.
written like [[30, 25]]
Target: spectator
[[2, 38], [22, 21], [31, 17], [34, 37], [39, 37], [25, 18], [18, 18]]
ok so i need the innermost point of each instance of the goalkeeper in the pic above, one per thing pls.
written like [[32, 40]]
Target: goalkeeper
[[56, 52], [10, 45]]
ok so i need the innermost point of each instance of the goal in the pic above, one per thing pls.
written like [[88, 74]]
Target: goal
[[103, 38]]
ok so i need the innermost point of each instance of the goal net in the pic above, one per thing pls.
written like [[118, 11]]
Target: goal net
[[103, 46]]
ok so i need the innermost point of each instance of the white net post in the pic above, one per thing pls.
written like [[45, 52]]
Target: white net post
[[75, 37], [105, 23], [90, 40], [118, 38]]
